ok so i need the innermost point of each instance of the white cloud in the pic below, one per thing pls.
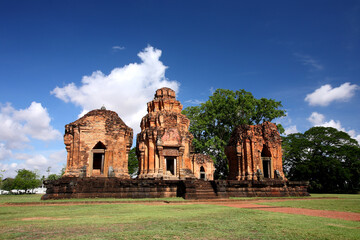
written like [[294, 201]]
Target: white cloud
[[4, 152], [318, 119], [194, 101], [324, 95], [18, 128], [20, 125], [291, 129], [125, 90], [39, 162], [118, 48], [309, 61], [37, 122]]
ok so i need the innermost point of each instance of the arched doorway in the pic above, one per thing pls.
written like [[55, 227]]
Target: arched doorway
[[202, 173], [98, 159], [266, 161]]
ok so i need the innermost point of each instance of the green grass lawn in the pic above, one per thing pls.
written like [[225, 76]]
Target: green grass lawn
[[344, 203], [137, 221], [37, 198]]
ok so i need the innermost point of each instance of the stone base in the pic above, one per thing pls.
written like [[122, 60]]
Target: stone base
[[102, 187], [266, 188]]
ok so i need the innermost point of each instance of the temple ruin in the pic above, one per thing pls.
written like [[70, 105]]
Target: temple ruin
[[97, 145], [99, 142], [254, 152], [163, 145]]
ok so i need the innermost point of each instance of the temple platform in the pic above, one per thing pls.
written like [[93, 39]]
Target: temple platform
[[111, 187]]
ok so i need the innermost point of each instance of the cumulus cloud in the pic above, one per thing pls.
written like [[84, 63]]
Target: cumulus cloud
[[39, 162], [17, 130], [125, 90], [291, 129], [307, 60], [318, 119], [20, 125], [326, 94], [4, 152]]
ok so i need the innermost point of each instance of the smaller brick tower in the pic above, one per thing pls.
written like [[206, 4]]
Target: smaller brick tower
[[98, 145], [163, 145], [254, 153]]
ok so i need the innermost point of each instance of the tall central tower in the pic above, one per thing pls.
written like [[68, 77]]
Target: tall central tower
[[163, 145]]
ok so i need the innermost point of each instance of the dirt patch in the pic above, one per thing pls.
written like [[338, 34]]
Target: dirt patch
[[302, 211], [43, 218]]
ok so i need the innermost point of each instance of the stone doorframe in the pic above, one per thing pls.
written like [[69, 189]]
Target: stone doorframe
[[270, 166], [91, 161], [174, 164], [202, 173]]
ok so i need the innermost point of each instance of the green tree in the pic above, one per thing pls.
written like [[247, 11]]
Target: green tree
[[8, 184], [212, 122], [1, 176], [53, 176], [133, 164], [26, 179], [328, 158]]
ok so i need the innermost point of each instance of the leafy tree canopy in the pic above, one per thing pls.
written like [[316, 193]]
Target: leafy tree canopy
[[133, 164], [212, 122], [328, 158], [26, 179], [7, 184], [53, 177]]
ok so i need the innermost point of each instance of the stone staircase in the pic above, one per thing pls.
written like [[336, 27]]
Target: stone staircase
[[200, 189], [205, 190]]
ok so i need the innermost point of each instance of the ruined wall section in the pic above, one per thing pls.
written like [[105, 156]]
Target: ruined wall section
[[164, 133], [250, 148], [102, 128], [203, 161]]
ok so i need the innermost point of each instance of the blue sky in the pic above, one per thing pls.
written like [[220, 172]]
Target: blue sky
[[59, 59]]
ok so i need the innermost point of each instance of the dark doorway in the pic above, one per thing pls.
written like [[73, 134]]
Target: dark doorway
[[99, 157], [266, 168], [202, 173], [266, 161], [170, 165], [98, 162]]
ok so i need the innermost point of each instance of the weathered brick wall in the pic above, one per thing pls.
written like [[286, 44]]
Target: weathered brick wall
[[164, 134], [200, 160], [98, 128], [92, 187], [249, 146], [68, 187]]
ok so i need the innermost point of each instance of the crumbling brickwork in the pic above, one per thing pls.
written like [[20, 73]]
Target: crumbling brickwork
[[163, 145], [254, 153], [202, 166], [98, 144]]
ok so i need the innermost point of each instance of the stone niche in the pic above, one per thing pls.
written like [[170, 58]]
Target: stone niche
[[254, 153], [202, 166], [163, 145], [97, 145]]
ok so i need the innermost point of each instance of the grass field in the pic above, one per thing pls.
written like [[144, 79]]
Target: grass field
[[346, 203], [139, 221], [37, 198]]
